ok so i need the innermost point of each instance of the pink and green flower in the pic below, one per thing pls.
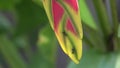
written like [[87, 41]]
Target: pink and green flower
[[64, 17]]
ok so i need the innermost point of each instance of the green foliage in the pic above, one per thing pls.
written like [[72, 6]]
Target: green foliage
[[45, 57], [29, 15], [119, 31], [86, 16], [94, 59], [6, 5], [31, 43], [5, 25], [10, 53]]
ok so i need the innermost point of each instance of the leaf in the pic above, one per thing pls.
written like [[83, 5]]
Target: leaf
[[119, 31], [118, 61], [45, 57], [94, 59], [90, 59], [10, 53], [39, 2], [30, 16], [8, 4], [4, 24], [86, 15]]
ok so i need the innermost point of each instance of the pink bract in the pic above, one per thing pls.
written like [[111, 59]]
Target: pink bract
[[73, 4], [58, 12]]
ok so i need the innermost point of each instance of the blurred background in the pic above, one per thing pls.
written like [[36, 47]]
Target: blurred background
[[27, 40]]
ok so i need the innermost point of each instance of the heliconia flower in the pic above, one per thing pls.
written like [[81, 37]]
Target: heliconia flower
[[64, 17]]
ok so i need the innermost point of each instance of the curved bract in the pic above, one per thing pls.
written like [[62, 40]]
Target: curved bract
[[64, 17]]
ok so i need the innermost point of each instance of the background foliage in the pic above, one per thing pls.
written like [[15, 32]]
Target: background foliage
[[27, 40]]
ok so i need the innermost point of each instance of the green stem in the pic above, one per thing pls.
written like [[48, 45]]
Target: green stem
[[115, 22], [102, 17], [88, 41], [114, 15], [94, 39]]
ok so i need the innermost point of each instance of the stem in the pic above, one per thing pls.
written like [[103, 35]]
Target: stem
[[114, 15], [94, 39], [88, 41], [115, 22], [102, 17]]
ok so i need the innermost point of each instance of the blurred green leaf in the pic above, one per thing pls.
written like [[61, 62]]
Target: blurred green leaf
[[21, 41], [10, 53], [30, 16], [93, 59], [47, 43], [8, 4], [86, 16], [118, 61], [45, 58], [119, 31], [90, 59], [4, 24], [39, 2]]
